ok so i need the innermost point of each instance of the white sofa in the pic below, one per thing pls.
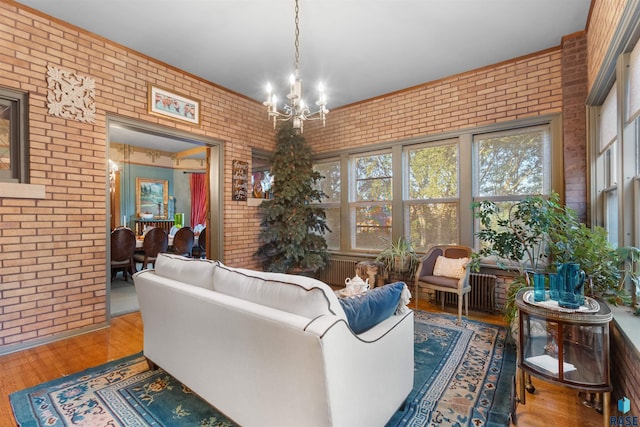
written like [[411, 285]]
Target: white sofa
[[270, 349]]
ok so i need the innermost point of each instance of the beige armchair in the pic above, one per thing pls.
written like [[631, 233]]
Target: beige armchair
[[456, 282]]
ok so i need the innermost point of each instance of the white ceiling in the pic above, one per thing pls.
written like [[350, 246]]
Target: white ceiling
[[358, 49]]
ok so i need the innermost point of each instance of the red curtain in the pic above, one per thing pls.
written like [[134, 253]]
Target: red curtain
[[198, 199]]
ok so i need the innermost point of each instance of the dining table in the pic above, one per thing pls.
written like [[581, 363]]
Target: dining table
[[140, 240]]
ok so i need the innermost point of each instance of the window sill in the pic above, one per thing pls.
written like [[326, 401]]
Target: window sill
[[627, 324], [253, 201], [12, 190]]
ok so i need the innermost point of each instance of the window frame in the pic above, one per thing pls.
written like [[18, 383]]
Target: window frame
[[464, 138], [18, 144], [407, 202], [353, 203], [333, 204]]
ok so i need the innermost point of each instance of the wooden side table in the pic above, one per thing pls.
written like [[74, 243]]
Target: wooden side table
[[566, 348]]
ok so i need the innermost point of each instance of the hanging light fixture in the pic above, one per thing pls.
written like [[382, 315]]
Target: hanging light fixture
[[296, 109]]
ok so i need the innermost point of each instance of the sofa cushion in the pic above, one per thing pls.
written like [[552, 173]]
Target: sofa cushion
[[450, 267], [299, 295], [367, 310], [198, 272]]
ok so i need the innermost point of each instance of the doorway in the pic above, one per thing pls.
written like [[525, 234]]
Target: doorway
[[143, 152]]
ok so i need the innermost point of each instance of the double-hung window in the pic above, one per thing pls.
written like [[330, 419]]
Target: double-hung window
[[370, 200], [330, 186], [511, 165], [431, 201], [607, 184]]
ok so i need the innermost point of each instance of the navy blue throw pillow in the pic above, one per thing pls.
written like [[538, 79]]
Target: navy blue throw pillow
[[367, 310]]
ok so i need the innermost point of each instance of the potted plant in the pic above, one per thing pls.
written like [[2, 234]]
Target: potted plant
[[292, 227], [399, 257], [537, 233], [517, 239], [629, 256]]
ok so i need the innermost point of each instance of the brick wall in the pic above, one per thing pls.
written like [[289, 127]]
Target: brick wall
[[624, 367], [574, 122], [603, 20], [53, 263], [524, 87]]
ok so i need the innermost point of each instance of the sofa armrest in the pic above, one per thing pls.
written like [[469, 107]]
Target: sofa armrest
[[372, 370]]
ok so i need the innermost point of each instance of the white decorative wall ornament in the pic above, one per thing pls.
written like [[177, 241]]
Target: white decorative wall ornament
[[71, 96]]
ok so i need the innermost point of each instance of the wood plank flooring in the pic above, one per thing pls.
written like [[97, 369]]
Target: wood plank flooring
[[550, 405]]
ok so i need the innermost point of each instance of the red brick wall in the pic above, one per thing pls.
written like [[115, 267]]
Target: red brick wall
[[53, 262], [624, 367], [574, 95], [525, 87], [603, 20]]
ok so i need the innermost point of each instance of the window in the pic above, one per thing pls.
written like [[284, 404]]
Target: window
[[431, 203], [610, 193], [371, 195], [423, 189], [512, 165], [330, 186], [13, 136], [261, 178], [607, 163]]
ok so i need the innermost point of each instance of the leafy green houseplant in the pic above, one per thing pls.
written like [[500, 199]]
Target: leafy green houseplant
[[292, 226], [517, 238], [399, 256], [537, 233]]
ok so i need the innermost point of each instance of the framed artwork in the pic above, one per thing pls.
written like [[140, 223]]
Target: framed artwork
[[239, 183], [173, 105], [152, 196]]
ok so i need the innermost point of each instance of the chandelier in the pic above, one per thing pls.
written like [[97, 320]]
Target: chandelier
[[296, 109]]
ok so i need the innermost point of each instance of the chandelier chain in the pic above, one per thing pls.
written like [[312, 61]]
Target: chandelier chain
[[297, 43]]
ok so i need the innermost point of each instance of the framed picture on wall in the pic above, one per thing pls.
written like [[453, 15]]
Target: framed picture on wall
[[174, 105], [152, 196]]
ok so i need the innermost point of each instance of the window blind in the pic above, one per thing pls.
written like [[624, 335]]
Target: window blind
[[608, 119], [633, 103]]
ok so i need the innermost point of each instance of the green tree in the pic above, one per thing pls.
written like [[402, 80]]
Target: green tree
[[433, 190], [292, 227]]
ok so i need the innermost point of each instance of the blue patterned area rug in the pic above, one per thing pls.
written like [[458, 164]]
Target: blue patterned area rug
[[463, 377]]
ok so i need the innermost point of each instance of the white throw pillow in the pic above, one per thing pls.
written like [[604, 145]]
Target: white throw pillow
[[450, 267]]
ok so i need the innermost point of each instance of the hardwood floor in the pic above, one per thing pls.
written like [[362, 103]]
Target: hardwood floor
[[47, 362], [550, 405]]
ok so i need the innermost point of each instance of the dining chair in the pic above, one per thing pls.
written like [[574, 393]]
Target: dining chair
[[123, 246], [155, 241], [448, 274], [200, 249], [183, 241]]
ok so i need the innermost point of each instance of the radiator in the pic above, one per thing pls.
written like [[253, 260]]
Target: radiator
[[336, 270], [482, 296]]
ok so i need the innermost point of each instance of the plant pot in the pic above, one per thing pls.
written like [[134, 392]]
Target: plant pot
[[402, 264]]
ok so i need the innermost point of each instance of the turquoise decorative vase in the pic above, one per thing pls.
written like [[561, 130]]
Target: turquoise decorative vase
[[570, 285]]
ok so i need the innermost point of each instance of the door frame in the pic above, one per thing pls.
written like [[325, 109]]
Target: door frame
[[214, 171]]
